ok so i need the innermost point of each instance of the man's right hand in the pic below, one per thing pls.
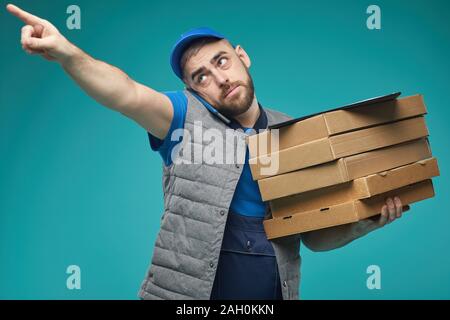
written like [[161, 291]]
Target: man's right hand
[[107, 84], [41, 37]]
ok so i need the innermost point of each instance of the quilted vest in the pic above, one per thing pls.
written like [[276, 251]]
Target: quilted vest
[[197, 197]]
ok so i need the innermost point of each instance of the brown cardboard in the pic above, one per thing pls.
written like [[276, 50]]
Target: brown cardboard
[[349, 107], [344, 213], [344, 169], [339, 121], [328, 149], [360, 188]]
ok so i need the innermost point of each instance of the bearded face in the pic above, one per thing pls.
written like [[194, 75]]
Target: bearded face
[[220, 74], [237, 97]]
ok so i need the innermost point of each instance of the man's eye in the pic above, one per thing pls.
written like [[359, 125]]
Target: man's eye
[[222, 61], [201, 78]]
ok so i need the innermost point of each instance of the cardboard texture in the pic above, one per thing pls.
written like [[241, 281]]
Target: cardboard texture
[[338, 121], [344, 213], [367, 102], [360, 188], [347, 144], [344, 169]]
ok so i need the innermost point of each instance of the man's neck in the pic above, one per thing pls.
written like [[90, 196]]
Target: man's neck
[[249, 117]]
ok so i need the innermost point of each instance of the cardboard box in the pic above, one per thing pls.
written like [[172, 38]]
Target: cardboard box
[[347, 144], [352, 117], [360, 188], [344, 169], [344, 213]]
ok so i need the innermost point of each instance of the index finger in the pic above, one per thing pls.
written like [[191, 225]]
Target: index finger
[[26, 17]]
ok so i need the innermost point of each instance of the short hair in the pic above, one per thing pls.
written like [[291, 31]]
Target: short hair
[[194, 48]]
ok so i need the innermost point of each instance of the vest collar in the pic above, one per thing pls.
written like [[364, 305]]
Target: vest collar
[[261, 122]]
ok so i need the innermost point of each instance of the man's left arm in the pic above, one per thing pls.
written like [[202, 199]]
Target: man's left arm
[[336, 237]]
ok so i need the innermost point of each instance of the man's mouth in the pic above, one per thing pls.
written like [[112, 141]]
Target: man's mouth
[[232, 90]]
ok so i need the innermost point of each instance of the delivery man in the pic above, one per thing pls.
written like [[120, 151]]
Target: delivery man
[[211, 244]]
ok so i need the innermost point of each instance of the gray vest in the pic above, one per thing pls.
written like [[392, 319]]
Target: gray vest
[[197, 198]]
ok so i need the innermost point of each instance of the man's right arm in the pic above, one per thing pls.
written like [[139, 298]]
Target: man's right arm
[[107, 84]]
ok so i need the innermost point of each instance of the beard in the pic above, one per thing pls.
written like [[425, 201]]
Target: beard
[[240, 103]]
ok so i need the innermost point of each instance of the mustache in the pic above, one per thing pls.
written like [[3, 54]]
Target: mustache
[[226, 88]]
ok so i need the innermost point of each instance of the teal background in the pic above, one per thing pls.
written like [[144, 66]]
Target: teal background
[[80, 185]]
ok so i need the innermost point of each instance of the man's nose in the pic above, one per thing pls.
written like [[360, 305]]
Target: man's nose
[[221, 77]]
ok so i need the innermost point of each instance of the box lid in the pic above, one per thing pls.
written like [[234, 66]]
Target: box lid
[[370, 101]]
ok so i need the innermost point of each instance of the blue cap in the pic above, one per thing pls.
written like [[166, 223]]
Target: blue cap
[[185, 40]]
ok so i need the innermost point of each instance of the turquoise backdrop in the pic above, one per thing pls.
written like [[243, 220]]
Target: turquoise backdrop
[[79, 184]]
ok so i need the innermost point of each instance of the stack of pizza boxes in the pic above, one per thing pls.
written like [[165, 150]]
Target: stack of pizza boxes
[[339, 166]]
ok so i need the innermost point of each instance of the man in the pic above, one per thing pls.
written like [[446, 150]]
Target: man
[[211, 244]]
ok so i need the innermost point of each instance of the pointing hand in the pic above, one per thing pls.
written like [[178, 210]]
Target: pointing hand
[[41, 37]]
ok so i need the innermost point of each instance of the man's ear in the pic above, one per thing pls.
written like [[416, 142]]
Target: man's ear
[[243, 56]]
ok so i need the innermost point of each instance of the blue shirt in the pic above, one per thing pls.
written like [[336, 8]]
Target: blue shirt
[[247, 197]]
